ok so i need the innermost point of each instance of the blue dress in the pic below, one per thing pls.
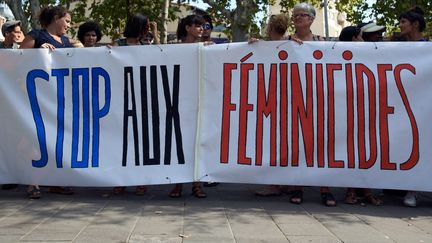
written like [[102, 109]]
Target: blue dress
[[42, 36]]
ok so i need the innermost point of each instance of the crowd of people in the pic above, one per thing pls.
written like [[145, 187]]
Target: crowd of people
[[139, 30]]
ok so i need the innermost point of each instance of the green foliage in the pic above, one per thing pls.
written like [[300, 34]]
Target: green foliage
[[112, 14], [385, 12], [239, 21]]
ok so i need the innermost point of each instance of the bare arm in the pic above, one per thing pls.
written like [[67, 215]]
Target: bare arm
[[28, 42]]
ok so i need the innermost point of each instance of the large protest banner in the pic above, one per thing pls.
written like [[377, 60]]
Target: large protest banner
[[336, 114], [98, 116], [331, 114]]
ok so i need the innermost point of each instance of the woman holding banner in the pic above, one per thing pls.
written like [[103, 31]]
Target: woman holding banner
[[276, 29], [55, 21], [136, 29], [354, 33], [303, 16], [190, 30], [412, 23]]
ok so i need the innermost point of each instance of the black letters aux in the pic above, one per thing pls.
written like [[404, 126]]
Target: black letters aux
[[172, 115]]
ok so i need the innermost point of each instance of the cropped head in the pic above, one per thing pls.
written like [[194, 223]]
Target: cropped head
[[305, 8], [191, 25], [137, 26], [11, 30], [277, 24], [207, 28], [303, 15], [371, 32], [89, 33], [350, 33], [55, 16], [412, 19]]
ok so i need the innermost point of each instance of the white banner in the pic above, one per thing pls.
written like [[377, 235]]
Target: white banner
[[98, 117], [334, 114], [330, 114]]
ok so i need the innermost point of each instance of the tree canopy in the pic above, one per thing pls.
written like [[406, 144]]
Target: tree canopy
[[240, 21]]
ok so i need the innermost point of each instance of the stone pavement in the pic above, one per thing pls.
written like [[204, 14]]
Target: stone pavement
[[231, 213]]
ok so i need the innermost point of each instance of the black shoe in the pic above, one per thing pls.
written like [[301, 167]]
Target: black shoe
[[211, 184], [9, 186]]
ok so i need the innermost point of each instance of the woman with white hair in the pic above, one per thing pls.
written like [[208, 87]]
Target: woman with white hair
[[303, 16]]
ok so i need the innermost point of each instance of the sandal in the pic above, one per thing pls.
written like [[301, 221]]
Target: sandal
[[61, 190], [268, 191], [176, 192], [296, 197], [35, 193], [351, 196], [119, 190], [140, 190], [370, 198], [328, 199], [198, 192]]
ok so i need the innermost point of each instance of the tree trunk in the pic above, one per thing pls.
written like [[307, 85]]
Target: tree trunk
[[241, 19], [164, 30], [35, 9], [18, 12]]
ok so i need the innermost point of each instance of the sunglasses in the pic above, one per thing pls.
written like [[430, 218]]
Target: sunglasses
[[302, 15], [206, 26]]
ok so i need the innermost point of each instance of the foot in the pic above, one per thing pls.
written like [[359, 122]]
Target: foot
[[327, 199], [33, 193], [61, 190], [198, 192], [351, 196], [119, 190], [140, 190], [410, 199], [176, 192], [272, 190], [370, 198], [210, 184], [296, 197], [9, 186]]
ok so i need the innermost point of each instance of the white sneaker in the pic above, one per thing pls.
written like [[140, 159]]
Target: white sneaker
[[410, 199]]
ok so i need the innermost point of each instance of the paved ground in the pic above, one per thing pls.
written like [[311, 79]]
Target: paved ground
[[231, 213]]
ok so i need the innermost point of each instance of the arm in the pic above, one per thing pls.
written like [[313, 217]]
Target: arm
[[28, 42], [154, 31]]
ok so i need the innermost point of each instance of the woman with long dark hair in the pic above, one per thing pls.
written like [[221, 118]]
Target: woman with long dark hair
[[190, 30], [412, 24]]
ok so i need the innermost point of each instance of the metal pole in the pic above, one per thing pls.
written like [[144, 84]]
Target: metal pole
[[326, 25]]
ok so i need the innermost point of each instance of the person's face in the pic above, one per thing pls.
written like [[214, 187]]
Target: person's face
[[195, 31], [206, 29], [63, 24], [406, 26], [90, 39], [357, 38], [374, 37], [302, 19], [15, 35]]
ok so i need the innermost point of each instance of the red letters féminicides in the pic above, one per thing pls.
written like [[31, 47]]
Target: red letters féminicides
[[312, 113]]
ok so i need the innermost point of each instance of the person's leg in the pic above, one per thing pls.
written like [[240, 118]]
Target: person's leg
[[351, 196], [327, 198], [140, 190], [269, 190], [297, 195], [369, 196], [176, 191], [33, 192], [197, 190]]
